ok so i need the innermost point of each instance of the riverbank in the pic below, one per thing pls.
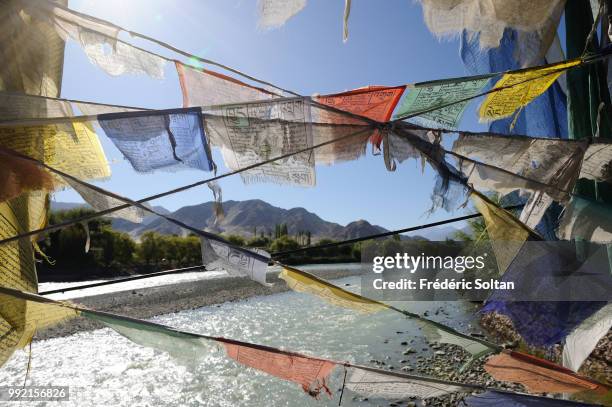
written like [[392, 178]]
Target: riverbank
[[598, 365]]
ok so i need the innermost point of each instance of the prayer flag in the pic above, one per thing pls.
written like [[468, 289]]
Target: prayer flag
[[252, 263], [164, 139], [391, 386], [311, 373], [202, 87], [251, 133], [580, 343], [441, 102], [305, 283], [588, 220], [518, 89], [539, 375], [506, 399]]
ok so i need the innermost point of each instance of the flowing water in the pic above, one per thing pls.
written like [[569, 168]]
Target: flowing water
[[103, 368]]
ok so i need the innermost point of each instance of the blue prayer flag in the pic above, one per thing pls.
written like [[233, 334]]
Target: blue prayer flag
[[164, 139]]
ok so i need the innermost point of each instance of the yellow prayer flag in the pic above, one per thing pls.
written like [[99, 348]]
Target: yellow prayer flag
[[506, 233], [21, 318], [72, 148], [520, 88], [305, 283]]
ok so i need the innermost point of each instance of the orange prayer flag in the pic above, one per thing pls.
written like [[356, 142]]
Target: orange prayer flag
[[19, 175], [374, 102], [310, 373], [539, 375]]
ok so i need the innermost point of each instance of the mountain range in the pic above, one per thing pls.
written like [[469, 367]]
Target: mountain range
[[255, 216]]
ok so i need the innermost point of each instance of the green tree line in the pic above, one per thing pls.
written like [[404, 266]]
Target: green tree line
[[116, 253]]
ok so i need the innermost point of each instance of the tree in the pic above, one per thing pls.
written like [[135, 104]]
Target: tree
[[261, 242], [283, 230], [284, 243], [149, 249], [236, 240]]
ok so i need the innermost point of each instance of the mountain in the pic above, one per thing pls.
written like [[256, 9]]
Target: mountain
[[245, 218], [441, 233], [65, 206]]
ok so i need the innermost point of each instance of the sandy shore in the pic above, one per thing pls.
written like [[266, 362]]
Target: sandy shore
[[148, 302]]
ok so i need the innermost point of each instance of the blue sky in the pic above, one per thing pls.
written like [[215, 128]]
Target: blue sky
[[389, 44]]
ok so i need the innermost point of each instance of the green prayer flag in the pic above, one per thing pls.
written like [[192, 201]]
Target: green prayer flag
[[178, 344], [448, 97]]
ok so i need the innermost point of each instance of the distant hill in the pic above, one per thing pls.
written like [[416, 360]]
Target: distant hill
[[441, 233], [64, 206], [244, 218]]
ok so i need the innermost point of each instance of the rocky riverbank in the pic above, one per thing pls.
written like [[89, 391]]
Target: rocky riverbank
[[597, 366]]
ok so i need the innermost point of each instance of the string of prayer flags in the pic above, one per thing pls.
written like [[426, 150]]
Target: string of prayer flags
[[580, 343], [305, 283], [518, 89], [539, 375], [251, 133], [311, 373], [252, 263], [216, 252], [441, 102], [372, 384], [584, 219], [162, 139], [202, 87], [19, 176], [506, 399]]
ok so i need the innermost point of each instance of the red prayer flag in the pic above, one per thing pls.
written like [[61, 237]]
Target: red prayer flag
[[311, 373]]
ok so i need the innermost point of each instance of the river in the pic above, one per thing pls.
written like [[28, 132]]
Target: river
[[104, 369]]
